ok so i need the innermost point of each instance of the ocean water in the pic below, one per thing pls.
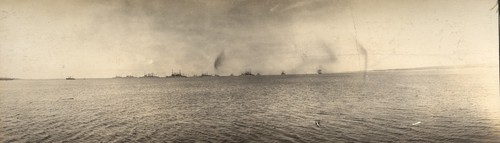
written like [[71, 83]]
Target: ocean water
[[399, 106]]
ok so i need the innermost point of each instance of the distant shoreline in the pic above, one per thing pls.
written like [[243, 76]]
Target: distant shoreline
[[347, 72], [5, 78]]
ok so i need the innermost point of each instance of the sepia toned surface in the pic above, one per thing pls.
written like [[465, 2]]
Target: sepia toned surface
[[249, 71], [449, 106]]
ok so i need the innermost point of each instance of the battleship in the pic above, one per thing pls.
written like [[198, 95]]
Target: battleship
[[176, 74], [70, 78], [247, 73], [128, 76], [283, 73], [150, 75], [205, 75]]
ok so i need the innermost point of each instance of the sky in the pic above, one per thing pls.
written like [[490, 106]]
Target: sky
[[95, 38]]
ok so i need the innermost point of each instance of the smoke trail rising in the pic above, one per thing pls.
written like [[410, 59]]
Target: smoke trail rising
[[364, 53], [219, 60]]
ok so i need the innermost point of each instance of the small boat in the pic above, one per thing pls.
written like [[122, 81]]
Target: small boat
[[70, 78]]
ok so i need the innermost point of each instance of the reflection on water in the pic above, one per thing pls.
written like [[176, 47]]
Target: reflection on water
[[389, 106]]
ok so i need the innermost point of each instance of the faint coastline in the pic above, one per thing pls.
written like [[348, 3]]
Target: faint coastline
[[435, 68], [281, 73], [320, 72], [7, 78]]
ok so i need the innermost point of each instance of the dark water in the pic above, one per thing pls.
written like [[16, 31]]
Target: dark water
[[401, 106]]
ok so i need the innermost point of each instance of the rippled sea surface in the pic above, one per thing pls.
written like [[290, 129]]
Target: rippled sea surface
[[400, 106]]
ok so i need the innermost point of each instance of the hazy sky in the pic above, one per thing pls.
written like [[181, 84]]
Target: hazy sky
[[104, 38]]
